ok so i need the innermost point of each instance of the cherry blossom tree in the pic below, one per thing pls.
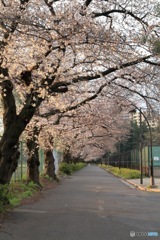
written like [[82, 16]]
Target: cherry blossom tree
[[96, 125], [67, 53]]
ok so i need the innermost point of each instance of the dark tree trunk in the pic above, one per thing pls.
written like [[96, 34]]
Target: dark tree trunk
[[33, 157], [9, 153], [67, 157], [49, 164], [14, 125]]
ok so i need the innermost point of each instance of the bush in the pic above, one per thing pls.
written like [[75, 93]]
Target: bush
[[65, 168], [4, 196], [69, 168], [11, 195]]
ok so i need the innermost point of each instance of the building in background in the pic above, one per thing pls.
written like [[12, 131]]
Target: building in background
[[153, 119]]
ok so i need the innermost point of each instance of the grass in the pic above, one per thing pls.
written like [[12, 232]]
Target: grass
[[124, 173], [11, 195], [19, 192], [68, 169]]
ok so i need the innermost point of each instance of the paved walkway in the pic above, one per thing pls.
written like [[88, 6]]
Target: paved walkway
[[91, 204], [146, 186]]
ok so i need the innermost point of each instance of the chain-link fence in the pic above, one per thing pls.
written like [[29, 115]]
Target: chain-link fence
[[132, 159], [129, 159], [21, 171]]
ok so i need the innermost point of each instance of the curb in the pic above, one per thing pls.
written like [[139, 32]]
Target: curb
[[135, 185], [143, 188]]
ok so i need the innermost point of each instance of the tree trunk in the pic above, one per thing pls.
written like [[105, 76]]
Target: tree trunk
[[9, 153], [67, 157], [49, 164], [14, 125], [33, 158]]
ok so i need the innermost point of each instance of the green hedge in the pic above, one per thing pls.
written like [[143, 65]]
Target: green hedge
[[69, 168]]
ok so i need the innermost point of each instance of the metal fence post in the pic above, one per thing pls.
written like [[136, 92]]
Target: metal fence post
[[21, 158]]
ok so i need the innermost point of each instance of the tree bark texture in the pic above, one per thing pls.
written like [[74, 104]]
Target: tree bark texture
[[9, 153], [33, 157], [49, 164], [67, 157], [14, 125]]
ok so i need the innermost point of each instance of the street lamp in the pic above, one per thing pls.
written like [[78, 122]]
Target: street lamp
[[141, 160], [152, 182]]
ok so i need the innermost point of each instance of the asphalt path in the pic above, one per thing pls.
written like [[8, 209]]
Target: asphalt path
[[90, 205]]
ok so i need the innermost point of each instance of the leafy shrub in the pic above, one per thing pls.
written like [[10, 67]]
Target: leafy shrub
[[69, 168], [12, 195], [65, 168], [4, 196], [15, 201]]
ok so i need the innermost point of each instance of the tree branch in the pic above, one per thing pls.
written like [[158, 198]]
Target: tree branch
[[50, 6], [56, 111], [152, 63], [107, 13], [136, 92], [8, 101], [87, 2], [108, 71], [4, 71]]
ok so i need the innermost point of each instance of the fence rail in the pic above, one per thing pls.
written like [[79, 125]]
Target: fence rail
[[21, 171], [132, 159]]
